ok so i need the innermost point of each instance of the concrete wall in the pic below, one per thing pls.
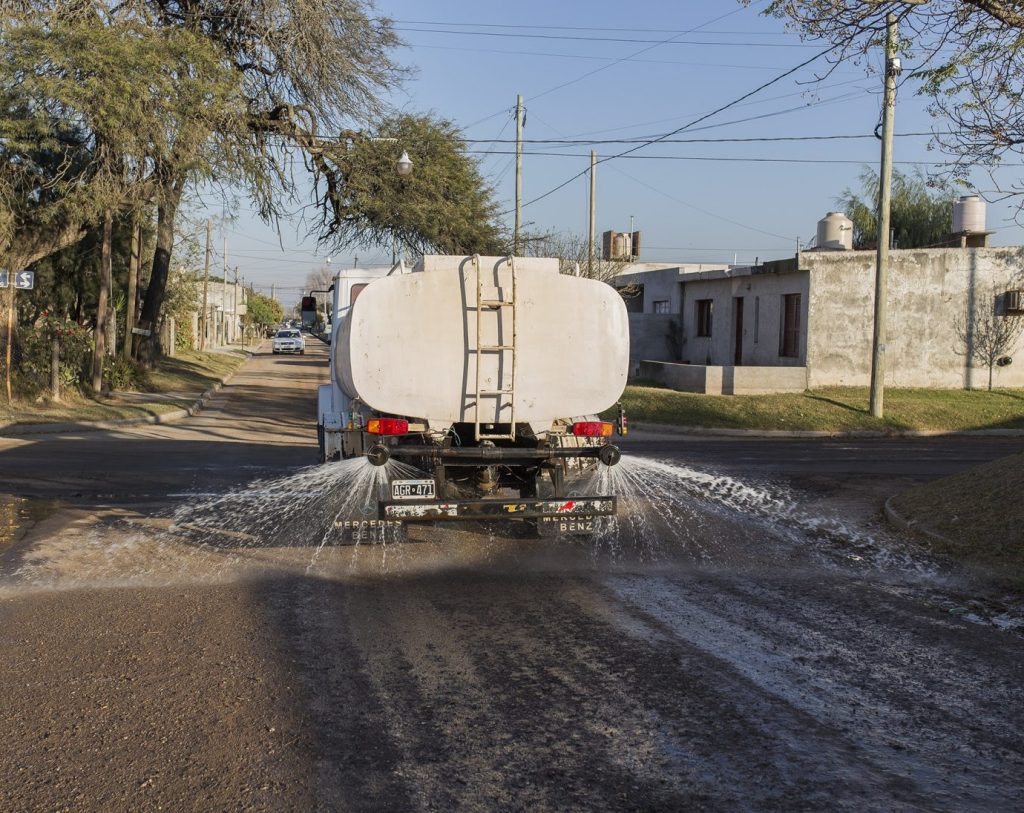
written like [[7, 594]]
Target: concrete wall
[[649, 339], [725, 380], [929, 290]]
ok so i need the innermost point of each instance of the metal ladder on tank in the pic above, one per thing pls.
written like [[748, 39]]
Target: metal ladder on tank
[[497, 306]]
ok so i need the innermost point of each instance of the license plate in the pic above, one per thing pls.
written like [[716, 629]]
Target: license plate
[[412, 489]]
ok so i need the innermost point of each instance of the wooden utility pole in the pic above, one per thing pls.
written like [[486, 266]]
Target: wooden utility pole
[[10, 332], [100, 335], [519, 174], [134, 263], [234, 308], [222, 330], [206, 289], [592, 231], [878, 339]]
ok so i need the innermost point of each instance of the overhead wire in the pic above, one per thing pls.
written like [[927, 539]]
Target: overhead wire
[[698, 120]]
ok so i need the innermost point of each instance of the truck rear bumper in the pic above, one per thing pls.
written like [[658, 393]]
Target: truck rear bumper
[[560, 509]]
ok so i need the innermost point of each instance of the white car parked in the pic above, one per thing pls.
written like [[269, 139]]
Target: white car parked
[[289, 340]]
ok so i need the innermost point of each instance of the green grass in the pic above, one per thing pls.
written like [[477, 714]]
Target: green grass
[[979, 512], [833, 409], [174, 384]]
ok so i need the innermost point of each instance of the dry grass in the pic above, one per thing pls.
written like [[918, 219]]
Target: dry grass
[[980, 512], [175, 384]]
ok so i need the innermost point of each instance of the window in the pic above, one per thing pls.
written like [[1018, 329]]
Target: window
[[354, 292], [705, 309], [790, 344], [661, 306]]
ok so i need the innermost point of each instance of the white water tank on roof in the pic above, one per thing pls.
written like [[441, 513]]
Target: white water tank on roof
[[835, 232], [968, 215]]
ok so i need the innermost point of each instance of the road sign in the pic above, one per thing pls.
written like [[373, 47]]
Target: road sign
[[4, 281], [25, 280]]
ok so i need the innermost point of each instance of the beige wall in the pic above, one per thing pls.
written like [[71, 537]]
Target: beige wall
[[928, 290]]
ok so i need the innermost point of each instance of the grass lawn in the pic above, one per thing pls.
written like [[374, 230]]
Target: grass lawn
[[834, 409], [980, 512], [174, 384]]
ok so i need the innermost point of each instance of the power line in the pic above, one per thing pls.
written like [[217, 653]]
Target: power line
[[678, 130], [589, 28], [719, 158], [567, 37], [587, 142]]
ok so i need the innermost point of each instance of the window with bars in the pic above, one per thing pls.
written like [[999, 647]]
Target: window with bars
[[661, 306], [704, 311], [789, 346]]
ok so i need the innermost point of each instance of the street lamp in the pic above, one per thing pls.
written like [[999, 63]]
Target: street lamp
[[404, 165]]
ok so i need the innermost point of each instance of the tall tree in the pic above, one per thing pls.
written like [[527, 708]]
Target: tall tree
[[921, 216], [305, 67], [443, 206], [971, 58]]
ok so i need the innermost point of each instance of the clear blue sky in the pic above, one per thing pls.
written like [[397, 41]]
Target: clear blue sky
[[599, 70]]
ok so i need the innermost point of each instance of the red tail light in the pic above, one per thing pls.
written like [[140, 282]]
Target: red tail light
[[592, 429], [387, 426]]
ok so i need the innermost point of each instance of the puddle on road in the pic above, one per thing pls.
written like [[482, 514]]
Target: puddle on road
[[17, 517], [670, 516]]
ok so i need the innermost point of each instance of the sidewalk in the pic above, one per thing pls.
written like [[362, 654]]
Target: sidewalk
[[195, 400]]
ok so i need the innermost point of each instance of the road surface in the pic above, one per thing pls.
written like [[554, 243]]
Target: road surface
[[754, 639]]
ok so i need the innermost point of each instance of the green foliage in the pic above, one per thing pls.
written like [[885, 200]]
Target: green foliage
[[921, 211], [443, 206], [33, 363], [91, 107], [123, 374], [262, 310]]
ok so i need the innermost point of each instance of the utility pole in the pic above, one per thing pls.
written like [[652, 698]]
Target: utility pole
[[519, 174], [222, 328], [203, 326], [234, 309], [878, 339], [273, 290], [592, 231]]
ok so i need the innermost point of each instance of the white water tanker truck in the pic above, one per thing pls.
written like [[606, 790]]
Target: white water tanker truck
[[486, 375]]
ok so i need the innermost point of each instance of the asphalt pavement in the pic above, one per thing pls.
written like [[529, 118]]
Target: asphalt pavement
[[754, 638]]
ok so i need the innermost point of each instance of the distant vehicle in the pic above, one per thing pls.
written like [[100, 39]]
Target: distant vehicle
[[289, 340]]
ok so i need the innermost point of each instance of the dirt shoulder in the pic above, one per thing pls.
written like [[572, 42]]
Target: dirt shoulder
[[976, 517]]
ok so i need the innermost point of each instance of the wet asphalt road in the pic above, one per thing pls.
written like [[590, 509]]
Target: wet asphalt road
[[752, 662]]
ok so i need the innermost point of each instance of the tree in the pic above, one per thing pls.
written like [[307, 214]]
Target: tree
[[303, 66], [985, 332], [971, 54], [262, 310], [572, 251], [443, 206], [921, 210]]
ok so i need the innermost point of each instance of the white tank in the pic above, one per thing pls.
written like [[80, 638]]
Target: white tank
[[835, 232], [408, 345], [969, 215]]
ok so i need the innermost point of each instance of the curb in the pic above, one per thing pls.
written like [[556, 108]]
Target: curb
[[22, 429], [672, 429], [904, 524]]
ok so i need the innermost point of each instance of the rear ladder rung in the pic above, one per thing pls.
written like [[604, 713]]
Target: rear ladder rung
[[496, 303], [495, 392], [495, 347]]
